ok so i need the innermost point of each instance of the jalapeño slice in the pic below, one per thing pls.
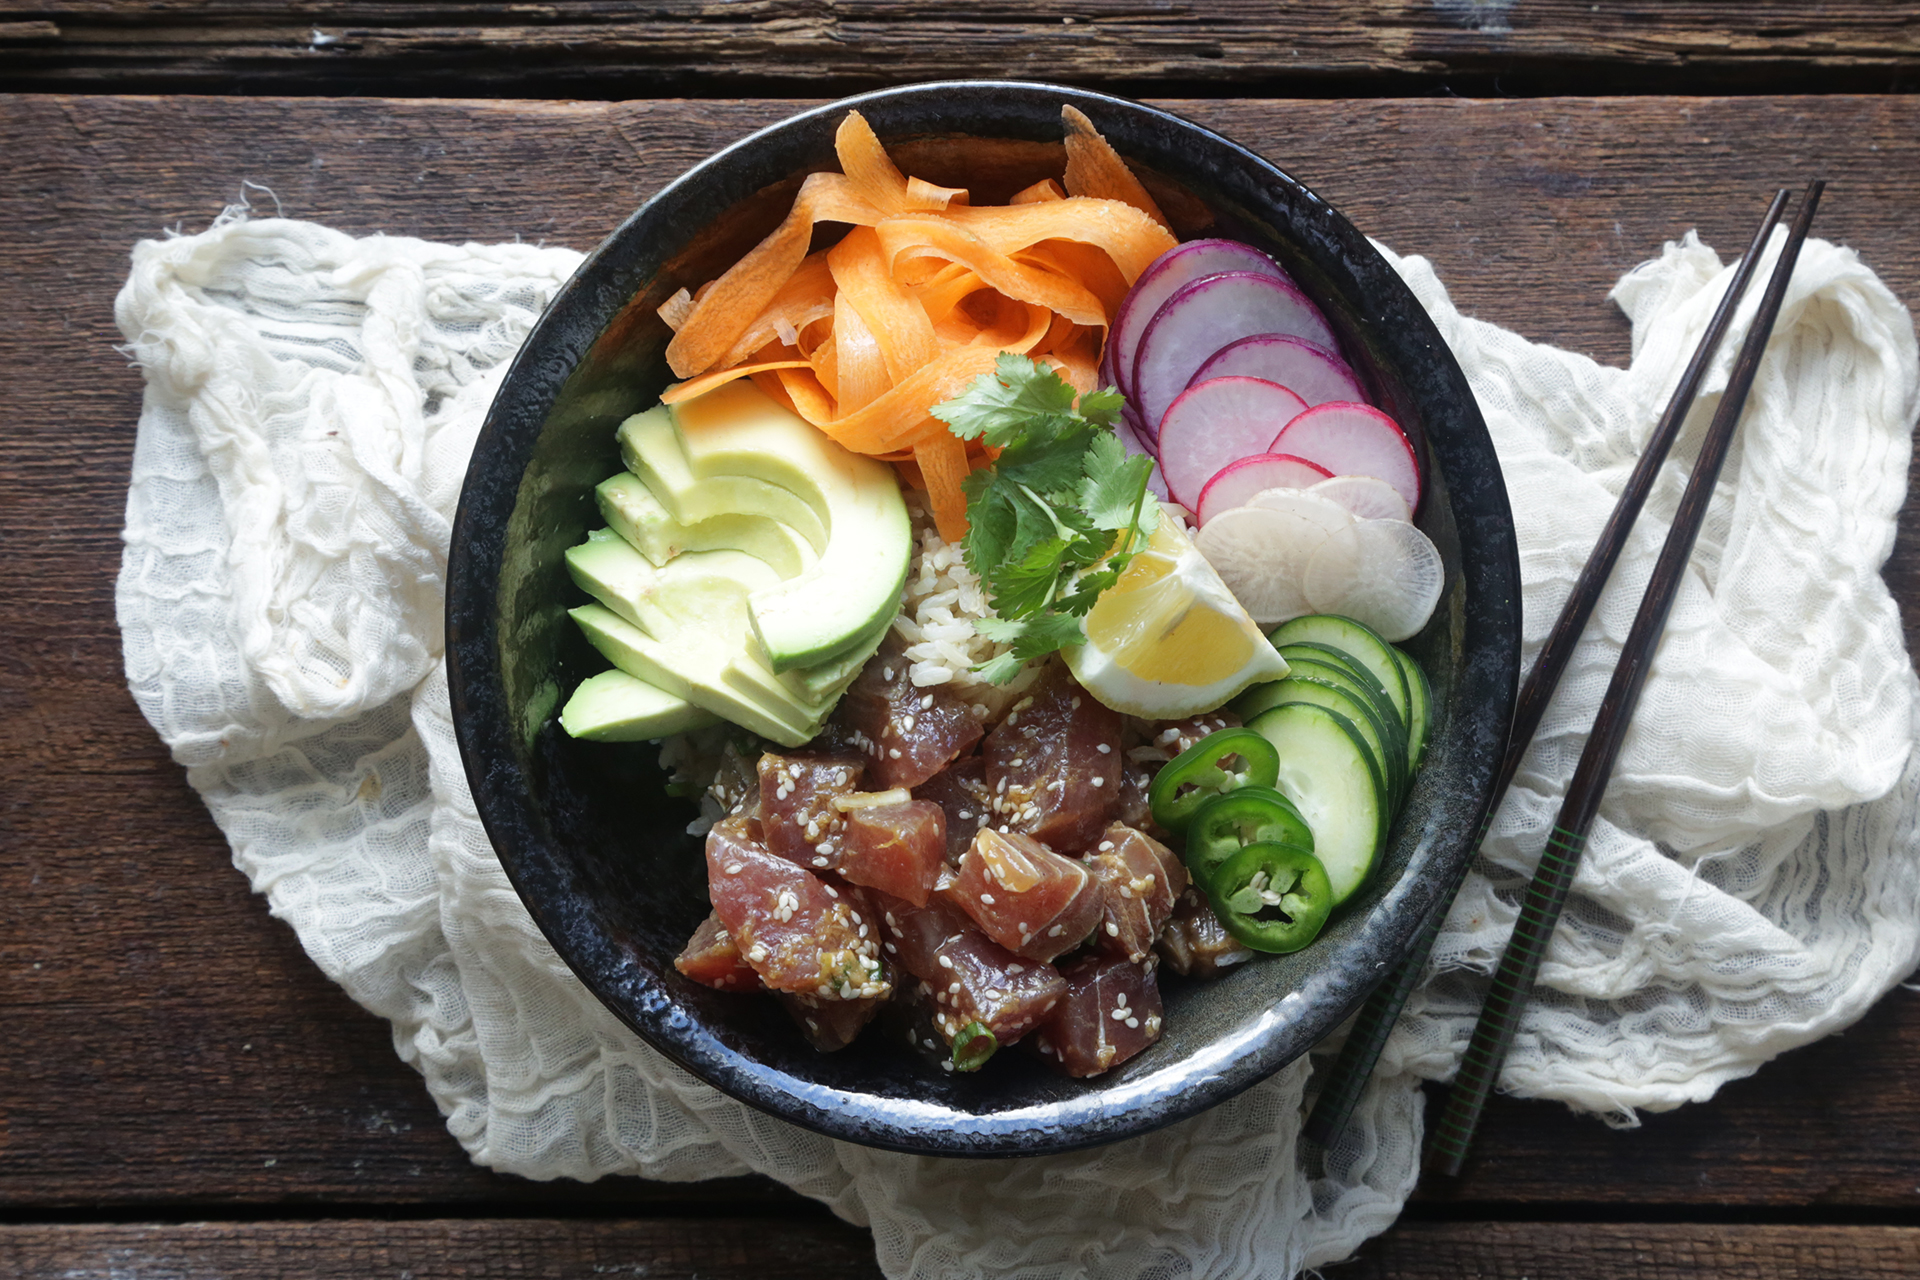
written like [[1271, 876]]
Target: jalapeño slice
[[1218, 764], [1226, 823], [1272, 897]]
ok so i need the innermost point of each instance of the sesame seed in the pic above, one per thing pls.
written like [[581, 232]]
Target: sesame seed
[[1105, 845], [1054, 932], [733, 868], [1099, 782], [821, 862], [893, 753], [1118, 1015], [1133, 1022], [987, 898], [1104, 749], [886, 673], [831, 891], [926, 703], [946, 962], [1113, 930]]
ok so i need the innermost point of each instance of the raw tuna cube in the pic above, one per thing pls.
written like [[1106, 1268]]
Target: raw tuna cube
[[1175, 736], [898, 848], [796, 799], [961, 790], [796, 930], [1195, 944], [1140, 880], [829, 1024], [913, 936], [978, 980], [1025, 897], [907, 733], [712, 960], [1053, 764], [1111, 1012]]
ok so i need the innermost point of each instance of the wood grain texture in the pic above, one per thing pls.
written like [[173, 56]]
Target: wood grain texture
[[170, 1048], [602, 48], [763, 1249]]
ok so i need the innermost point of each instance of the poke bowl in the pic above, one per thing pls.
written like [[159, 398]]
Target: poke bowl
[[595, 834]]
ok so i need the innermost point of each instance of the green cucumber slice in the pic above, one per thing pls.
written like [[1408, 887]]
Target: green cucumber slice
[[1419, 707], [1337, 664], [1305, 683], [1326, 771], [1359, 642]]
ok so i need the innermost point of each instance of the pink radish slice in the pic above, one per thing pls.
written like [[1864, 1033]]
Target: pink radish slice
[[1212, 424], [1203, 317], [1156, 483], [1309, 370], [1366, 497], [1354, 440], [1239, 480], [1165, 276]]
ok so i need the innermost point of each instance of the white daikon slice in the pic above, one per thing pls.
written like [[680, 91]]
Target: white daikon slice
[[1351, 439], [1309, 370], [1216, 422], [1205, 316], [1236, 483], [1384, 573], [1366, 497], [1165, 276], [1262, 555]]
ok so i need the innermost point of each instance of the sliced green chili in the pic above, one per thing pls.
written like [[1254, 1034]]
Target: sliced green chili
[[1224, 823], [1272, 897], [1218, 764]]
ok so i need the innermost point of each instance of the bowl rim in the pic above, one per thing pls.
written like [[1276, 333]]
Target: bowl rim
[[1488, 629]]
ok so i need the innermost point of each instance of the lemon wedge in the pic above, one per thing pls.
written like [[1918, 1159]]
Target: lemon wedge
[[1168, 639]]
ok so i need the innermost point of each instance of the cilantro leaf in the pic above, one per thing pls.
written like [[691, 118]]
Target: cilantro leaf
[[1001, 407], [1062, 510]]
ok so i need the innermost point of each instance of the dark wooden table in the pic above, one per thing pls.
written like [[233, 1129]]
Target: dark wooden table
[[182, 1093]]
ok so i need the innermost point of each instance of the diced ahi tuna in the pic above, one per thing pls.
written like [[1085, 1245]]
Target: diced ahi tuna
[[1135, 808], [1195, 944], [1053, 765], [829, 1024], [796, 801], [711, 959], [967, 975], [898, 847], [907, 733], [1025, 897], [1140, 880], [961, 791], [1175, 736], [1111, 1012], [796, 930], [913, 936], [980, 981]]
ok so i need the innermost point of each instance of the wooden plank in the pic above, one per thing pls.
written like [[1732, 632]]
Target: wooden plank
[[602, 48], [816, 1245], [153, 1000]]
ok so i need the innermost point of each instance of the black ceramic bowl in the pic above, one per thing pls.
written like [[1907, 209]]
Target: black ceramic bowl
[[598, 849]]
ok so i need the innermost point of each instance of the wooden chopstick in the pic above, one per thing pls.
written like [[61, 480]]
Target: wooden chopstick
[[1348, 1078], [1547, 893]]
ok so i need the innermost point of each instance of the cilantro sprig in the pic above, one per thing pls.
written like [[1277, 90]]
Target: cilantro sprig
[[1055, 520]]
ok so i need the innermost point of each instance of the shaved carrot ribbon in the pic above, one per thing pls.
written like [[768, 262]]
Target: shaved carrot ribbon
[[919, 299]]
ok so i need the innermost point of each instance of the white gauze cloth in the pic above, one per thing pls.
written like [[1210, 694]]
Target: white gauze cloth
[[1752, 883]]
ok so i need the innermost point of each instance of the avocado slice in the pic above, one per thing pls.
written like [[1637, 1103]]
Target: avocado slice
[[690, 665], [616, 707], [631, 510], [652, 450], [707, 590], [829, 610]]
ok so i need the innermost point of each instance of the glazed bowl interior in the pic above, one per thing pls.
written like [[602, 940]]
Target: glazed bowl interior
[[597, 847]]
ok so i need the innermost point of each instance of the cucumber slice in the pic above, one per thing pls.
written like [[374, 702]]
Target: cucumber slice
[[1336, 663], [1419, 707], [1326, 771], [1302, 684], [1359, 642]]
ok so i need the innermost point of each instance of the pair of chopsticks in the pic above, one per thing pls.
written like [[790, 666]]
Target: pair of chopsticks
[[1547, 893]]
